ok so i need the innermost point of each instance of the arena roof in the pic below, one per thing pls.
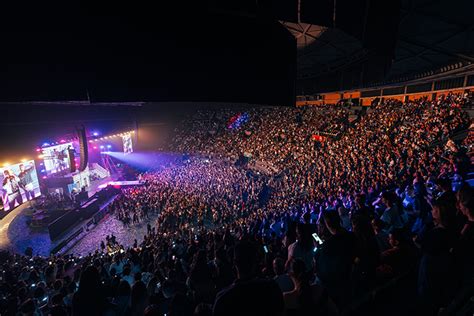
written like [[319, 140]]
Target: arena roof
[[429, 34], [433, 34], [226, 47], [323, 49]]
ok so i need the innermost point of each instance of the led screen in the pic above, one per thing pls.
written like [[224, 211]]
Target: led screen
[[127, 144], [56, 158], [19, 184]]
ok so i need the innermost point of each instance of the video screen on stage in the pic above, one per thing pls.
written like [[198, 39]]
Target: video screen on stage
[[127, 144], [56, 158], [19, 184]]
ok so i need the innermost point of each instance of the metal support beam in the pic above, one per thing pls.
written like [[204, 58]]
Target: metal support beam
[[437, 49]]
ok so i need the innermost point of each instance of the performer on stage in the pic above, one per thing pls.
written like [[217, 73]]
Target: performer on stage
[[11, 185], [26, 180]]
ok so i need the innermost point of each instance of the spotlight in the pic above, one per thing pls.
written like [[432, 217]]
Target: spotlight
[[95, 134], [109, 146], [45, 144], [91, 141], [95, 147], [38, 150], [6, 164], [40, 156], [101, 146], [44, 177], [23, 160]]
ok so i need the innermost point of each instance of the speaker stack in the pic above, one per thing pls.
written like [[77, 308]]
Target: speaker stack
[[72, 163], [81, 132]]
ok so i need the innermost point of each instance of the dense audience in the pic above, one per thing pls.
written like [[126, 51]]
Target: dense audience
[[338, 219]]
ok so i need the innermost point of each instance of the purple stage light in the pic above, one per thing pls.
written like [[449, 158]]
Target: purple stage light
[[95, 134], [109, 146]]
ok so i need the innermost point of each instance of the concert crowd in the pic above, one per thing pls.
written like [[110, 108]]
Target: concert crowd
[[379, 207]]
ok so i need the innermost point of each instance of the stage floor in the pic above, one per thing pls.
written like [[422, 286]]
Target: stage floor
[[125, 235]]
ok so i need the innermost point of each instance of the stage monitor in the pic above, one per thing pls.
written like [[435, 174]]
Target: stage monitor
[[127, 144], [56, 158], [19, 184]]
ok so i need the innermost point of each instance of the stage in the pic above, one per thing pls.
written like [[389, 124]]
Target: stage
[[17, 235]]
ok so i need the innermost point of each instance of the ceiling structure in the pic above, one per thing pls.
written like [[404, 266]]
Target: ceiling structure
[[119, 52], [433, 34], [429, 35], [322, 49]]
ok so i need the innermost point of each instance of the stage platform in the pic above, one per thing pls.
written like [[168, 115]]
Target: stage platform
[[16, 235]]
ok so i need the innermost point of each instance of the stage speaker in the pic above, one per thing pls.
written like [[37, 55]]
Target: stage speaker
[[81, 133], [72, 163]]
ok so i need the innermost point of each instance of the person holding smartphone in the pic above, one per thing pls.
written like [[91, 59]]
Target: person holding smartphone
[[302, 247], [334, 259]]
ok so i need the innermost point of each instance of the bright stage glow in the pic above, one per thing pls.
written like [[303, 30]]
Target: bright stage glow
[[127, 143], [103, 186], [142, 160], [119, 183]]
